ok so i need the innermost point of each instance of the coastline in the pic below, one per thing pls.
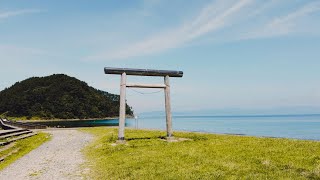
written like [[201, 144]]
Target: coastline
[[302, 127], [57, 120], [222, 134]]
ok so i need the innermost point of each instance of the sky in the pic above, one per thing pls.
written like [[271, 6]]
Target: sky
[[237, 55]]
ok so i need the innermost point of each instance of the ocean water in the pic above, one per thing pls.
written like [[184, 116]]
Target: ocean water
[[287, 126]]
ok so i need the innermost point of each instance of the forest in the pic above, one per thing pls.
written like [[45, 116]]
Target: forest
[[58, 96]]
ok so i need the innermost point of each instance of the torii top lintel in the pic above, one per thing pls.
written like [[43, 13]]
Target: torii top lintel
[[142, 72]]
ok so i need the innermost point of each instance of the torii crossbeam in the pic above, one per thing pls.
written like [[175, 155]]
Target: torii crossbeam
[[143, 72]]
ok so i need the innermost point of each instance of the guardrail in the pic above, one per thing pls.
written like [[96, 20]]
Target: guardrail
[[24, 125], [6, 126]]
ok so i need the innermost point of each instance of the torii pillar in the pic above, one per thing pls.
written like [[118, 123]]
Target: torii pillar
[[143, 72]]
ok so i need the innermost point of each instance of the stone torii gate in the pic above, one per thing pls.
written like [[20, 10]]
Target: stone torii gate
[[143, 72]]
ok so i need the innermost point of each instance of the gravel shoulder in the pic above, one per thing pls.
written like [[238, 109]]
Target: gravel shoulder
[[60, 158]]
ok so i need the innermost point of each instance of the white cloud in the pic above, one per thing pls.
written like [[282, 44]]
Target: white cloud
[[8, 14]]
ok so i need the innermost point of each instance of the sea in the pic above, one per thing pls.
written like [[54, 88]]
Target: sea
[[280, 126], [283, 126]]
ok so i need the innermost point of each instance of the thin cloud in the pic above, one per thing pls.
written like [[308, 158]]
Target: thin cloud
[[205, 22], [15, 53], [286, 24], [8, 14], [217, 16]]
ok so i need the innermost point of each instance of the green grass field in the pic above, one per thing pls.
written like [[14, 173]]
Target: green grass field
[[20, 148], [206, 156]]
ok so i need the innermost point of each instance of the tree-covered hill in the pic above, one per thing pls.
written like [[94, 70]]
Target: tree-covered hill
[[58, 97]]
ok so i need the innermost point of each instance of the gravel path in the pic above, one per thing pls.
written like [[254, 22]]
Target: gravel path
[[59, 158]]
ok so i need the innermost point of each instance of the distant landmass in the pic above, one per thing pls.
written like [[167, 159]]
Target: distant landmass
[[58, 97]]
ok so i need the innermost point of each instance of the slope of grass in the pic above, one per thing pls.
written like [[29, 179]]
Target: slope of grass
[[206, 156], [20, 148]]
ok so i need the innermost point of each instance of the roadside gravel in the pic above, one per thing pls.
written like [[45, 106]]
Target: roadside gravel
[[59, 158]]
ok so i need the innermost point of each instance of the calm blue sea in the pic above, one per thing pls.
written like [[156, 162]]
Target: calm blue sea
[[288, 126]]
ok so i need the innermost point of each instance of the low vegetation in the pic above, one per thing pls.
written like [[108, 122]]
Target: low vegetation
[[146, 155], [57, 97], [17, 149]]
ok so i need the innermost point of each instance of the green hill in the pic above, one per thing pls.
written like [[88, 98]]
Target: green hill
[[58, 97]]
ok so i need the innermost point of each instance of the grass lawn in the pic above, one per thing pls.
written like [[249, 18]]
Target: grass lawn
[[206, 156], [21, 147]]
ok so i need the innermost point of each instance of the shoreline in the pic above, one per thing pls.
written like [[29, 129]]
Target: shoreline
[[185, 131], [263, 132], [57, 120], [216, 133]]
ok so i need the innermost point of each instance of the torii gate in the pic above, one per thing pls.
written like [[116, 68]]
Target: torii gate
[[143, 72]]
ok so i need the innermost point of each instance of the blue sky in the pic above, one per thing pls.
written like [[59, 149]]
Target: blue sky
[[252, 55]]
